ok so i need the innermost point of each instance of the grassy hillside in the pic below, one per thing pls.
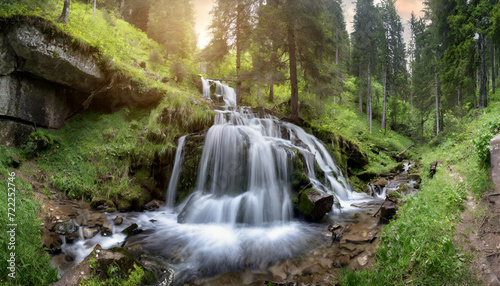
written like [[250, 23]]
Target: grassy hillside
[[99, 154], [418, 248]]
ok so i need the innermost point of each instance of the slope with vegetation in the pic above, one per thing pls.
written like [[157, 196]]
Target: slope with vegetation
[[124, 156], [301, 68]]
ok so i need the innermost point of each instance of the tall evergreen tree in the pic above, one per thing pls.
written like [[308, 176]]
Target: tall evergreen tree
[[393, 53], [231, 27], [366, 33]]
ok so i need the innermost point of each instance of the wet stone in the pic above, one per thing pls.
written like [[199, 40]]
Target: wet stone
[[72, 237], [388, 210], [89, 232], [66, 227], [118, 220], [132, 230], [52, 241], [153, 205]]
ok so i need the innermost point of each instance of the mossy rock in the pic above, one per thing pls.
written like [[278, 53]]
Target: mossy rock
[[314, 204], [299, 179], [133, 199], [344, 152], [100, 202], [193, 149], [119, 258]]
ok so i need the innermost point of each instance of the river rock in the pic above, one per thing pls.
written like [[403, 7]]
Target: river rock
[[89, 232], [414, 177], [133, 229], [314, 204], [66, 227], [102, 203], [100, 260], [52, 241], [118, 220], [154, 204], [380, 182], [388, 210]]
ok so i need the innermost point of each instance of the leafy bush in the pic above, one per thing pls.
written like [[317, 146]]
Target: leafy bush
[[482, 142]]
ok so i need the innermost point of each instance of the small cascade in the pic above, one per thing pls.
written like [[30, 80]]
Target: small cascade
[[206, 87], [222, 91], [174, 178]]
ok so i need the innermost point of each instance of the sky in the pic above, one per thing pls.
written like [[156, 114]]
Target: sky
[[404, 8]]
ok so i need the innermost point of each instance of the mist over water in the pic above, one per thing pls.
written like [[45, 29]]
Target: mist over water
[[241, 213]]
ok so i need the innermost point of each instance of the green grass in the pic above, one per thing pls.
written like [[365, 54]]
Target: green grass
[[121, 47], [418, 247], [343, 118], [32, 261]]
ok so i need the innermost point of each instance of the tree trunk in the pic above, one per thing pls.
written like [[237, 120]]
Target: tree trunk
[[369, 98], [238, 54], [65, 13], [337, 47], [437, 102], [271, 93], [360, 93], [476, 83], [482, 73], [492, 48], [294, 98], [95, 4], [384, 99], [411, 99]]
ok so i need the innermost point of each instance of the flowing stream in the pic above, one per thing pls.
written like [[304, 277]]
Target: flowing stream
[[241, 213]]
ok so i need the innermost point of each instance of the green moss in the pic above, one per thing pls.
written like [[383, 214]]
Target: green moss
[[193, 151], [299, 179], [305, 205]]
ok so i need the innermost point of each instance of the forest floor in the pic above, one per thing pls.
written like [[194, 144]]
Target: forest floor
[[479, 229]]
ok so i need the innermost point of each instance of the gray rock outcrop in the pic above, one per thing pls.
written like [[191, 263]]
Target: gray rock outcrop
[[44, 79]]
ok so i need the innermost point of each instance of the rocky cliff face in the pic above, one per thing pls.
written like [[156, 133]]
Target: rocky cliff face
[[45, 77], [43, 80]]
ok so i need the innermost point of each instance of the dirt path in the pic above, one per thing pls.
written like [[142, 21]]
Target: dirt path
[[479, 230]]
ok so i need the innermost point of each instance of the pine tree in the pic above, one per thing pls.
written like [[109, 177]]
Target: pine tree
[[231, 27], [392, 54], [367, 26]]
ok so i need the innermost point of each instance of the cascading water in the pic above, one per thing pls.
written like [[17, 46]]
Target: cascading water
[[240, 214], [244, 172], [222, 91]]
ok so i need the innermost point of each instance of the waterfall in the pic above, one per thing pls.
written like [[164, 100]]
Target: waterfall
[[240, 213], [222, 91], [244, 171], [206, 87], [174, 178]]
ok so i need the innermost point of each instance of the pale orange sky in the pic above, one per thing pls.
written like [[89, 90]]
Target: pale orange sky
[[404, 7]]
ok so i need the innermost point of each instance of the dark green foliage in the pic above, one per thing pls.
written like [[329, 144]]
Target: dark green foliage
[[171, 23], [482, 142]]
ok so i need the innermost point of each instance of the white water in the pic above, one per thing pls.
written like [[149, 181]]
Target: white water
[[240, 215], [245, 170], [222, 91], [174, 179]]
